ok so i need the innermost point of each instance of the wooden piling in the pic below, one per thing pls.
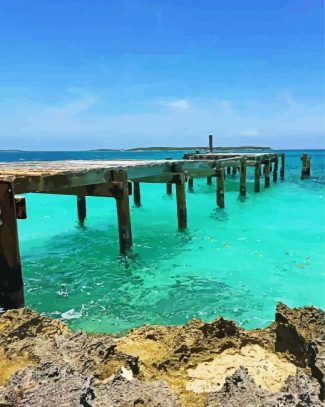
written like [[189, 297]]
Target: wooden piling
[[11, 281], [81, 207], [123, 212], [267, 173], [169, 188], [234, 171], [136, 194], [257, 184], [228, 170], [282, 166], [242, 182], [209, 180], [220, 188], [181, 201], [275, 169], [305, 170], [190, 184]]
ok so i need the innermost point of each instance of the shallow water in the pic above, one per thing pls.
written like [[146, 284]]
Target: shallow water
[[238, 261]]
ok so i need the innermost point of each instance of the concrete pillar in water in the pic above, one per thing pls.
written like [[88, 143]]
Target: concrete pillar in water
[[123, 212], [11, 281], [81, 207], [220, 188], [305, 170], [267, 173], [257, 184], [181, 202], [136, 194], [282, 166], [242, 183]]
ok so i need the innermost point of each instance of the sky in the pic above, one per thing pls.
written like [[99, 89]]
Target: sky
[[83, 74]]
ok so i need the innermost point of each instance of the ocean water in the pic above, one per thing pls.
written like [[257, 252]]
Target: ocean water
[[237, 262]]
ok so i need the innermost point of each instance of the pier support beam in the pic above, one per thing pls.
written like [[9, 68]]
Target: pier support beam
[[190, 184], [169, 188], [275, 169], [267, 173], [81, 207], [136, 194], [181, 201], [257, 184], [228, 170], [242, 182], [282, 167], [305, 170], [209, 180], [123, 212], [11, 281], [220, 188]]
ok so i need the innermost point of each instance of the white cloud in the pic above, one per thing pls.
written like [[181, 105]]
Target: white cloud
[[178, 104]]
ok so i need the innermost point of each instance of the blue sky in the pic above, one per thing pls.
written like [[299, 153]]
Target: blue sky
[[79, 74]]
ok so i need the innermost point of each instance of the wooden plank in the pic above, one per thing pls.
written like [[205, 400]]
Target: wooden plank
[[11, 281]]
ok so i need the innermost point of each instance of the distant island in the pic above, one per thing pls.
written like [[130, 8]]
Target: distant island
[[184, 148]]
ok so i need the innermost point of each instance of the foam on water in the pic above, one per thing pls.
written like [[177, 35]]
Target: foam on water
[[237, 262]]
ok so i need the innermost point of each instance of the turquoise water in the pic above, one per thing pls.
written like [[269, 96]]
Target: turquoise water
[[238, 261]]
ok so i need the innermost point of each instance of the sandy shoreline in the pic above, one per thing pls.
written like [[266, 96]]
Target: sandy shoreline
[[43, 363]]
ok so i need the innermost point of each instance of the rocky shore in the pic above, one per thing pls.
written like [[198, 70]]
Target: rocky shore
[[43, 363]]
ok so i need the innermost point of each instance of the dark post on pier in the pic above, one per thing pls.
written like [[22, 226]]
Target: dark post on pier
[[11, 281], [220, 188], [242, 184], [210, 143], [305, 170]]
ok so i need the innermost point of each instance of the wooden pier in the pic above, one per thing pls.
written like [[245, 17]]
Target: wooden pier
[[111, 179]]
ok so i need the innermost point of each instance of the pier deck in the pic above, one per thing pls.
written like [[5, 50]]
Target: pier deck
[[110, 178]]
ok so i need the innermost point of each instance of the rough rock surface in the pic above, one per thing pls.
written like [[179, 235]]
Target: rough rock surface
[[43, 363]]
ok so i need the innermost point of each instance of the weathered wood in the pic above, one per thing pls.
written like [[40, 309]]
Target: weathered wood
[[242, 181], [209, 180], [305, 170], [282, 166], [210, 142], [169, 188], [181, 202], [137, 194], [267, 173], [81, 207], [234, 171], [20, 203], [220, 188], [257, 183], [228, 170], [123, 212], [190, 184], [11, 281], [275, 169]]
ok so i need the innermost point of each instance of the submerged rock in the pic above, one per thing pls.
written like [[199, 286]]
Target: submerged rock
[[44, 363]]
